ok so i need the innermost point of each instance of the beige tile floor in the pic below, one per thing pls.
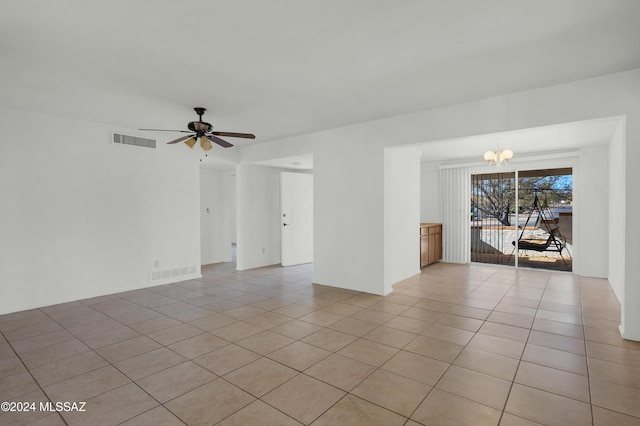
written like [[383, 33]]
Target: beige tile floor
[[456, 345]]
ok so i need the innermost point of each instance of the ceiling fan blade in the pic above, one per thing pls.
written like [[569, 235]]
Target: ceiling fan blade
[[180, 139], [235, 135], [164, 130], [219, 141]]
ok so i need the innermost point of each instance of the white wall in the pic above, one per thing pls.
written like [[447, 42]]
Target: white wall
[[348, 166], [430, 197], [215, 216], [617, 221], [257, 216], [230, 184], [591, 212], [83, 217], [401, 215], [349, 215], [258, 212]]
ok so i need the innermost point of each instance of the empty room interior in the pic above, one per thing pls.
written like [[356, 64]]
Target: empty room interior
[[320, 213]]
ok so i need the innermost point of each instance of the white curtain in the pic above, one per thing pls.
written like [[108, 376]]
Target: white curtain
[[455, 187]]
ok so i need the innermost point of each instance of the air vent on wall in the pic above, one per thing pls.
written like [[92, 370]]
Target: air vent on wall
[[134, 140], [171, 273]]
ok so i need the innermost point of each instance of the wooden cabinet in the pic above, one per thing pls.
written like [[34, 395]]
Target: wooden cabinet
[[430, 243]]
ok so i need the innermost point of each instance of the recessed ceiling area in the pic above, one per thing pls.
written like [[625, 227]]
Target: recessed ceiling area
[[524, 143]]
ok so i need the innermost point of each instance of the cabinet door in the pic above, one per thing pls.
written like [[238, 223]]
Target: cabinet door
[[432, 248], [424, 250]]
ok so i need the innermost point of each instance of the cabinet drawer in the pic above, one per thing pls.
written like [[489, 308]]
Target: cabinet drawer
[[424, 230]]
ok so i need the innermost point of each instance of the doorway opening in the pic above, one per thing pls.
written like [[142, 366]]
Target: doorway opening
[[523, 218]]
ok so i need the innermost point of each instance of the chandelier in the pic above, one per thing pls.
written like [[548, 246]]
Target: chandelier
[[498, 157]]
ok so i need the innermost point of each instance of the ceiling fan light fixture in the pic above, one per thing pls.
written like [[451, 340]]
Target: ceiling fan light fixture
[[190, 142]]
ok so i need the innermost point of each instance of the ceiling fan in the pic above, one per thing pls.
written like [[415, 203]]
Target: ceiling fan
[[203, 131]]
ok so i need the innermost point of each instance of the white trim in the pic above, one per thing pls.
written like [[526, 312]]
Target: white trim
[[567, 154]]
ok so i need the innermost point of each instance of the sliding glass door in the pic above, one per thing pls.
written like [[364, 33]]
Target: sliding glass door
[[545, 207], [523, 218], [493, 197]]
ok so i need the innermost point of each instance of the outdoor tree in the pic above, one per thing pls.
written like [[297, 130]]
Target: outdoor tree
[[493, 195]]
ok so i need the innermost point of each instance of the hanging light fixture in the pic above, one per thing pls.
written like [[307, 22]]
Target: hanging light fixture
[[205, 143], [190, 142], [498, 157]]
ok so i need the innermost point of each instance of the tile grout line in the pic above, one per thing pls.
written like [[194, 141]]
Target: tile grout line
[[466, 345], [30, 373], [95, 369], [513, 381], [586, 357], [450, 363]]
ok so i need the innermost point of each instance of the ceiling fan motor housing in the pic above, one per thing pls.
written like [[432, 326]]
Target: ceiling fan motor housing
[[200, 126]]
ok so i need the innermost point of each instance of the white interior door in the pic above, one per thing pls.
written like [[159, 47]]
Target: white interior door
[[296, 220]]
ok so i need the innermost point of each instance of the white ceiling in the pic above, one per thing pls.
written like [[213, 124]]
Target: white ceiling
[[284, 67]]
